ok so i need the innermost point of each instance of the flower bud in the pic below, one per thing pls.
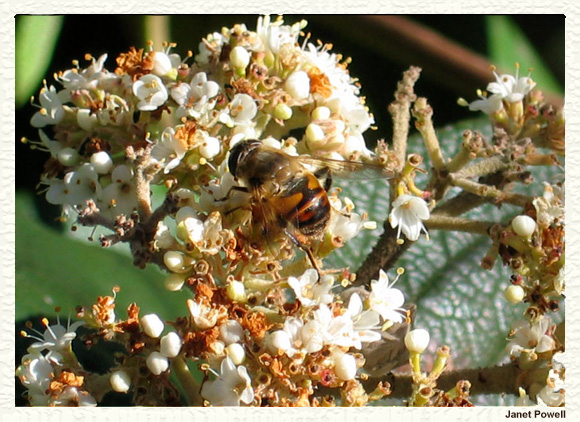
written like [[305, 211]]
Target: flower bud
[[174, 261], [231, 332], [174, 282], [240, 57], [417, 340], [314, 133], [282, 111], [69, 157], [152, 325], [120, 381], [515, 294], [298, 85], [523, 225], [236, 353], [345, 366], [157, 363], [102, 162], [279, 341], [321, 113], [236, 291], [171, 344], [86, 119]]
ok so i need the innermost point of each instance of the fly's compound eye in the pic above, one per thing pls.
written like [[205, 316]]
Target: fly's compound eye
[[239, 152]]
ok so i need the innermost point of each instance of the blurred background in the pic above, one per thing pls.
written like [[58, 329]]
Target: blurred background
[[454, 51]]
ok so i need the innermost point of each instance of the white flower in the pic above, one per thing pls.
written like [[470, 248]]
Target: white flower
[[326, 329], [505, 88], [72, 396], [207, 236], [203, 316], [232, 386], [488, 105], [151, 92], [510, 88], [169, 150], [120, 197], [88, 78], [548, 207], [310, 290], [196, 98], [407, 214], [531, 338], [365, 322], [51, 111], [36, 373], [162, 64], [274, 34], [243, 109], [56, 339], [386, 300], [209, 47], [288, 339]]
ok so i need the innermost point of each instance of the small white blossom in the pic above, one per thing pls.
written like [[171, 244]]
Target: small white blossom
[[151, 92], [35, 373], [169, 150], [310, 290], [56, 339], [548, 207], [531, 338], [366, 323], [385, 299], [408, 214], [232, 386], [51, 111]]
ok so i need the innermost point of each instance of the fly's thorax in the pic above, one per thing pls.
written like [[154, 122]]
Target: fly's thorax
[[261, 167]]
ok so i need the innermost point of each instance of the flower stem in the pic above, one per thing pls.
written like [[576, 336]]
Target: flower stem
[[440, 221], [188, 383]]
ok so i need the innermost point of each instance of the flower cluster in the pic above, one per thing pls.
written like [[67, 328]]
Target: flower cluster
[[259, 326], [533, 243], [50, 371]]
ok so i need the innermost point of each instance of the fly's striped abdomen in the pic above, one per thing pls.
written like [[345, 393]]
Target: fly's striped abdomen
[[305, 205]]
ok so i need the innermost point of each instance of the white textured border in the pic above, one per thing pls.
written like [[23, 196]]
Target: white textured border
[[9, 9]]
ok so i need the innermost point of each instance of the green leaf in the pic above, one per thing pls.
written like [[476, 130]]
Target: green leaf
[[55, 270], [508, 44], [36, 38]]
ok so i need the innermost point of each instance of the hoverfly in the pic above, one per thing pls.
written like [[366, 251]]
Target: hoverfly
[[289, 194]]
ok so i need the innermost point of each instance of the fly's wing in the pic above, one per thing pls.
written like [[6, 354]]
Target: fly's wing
[[344, 169]]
